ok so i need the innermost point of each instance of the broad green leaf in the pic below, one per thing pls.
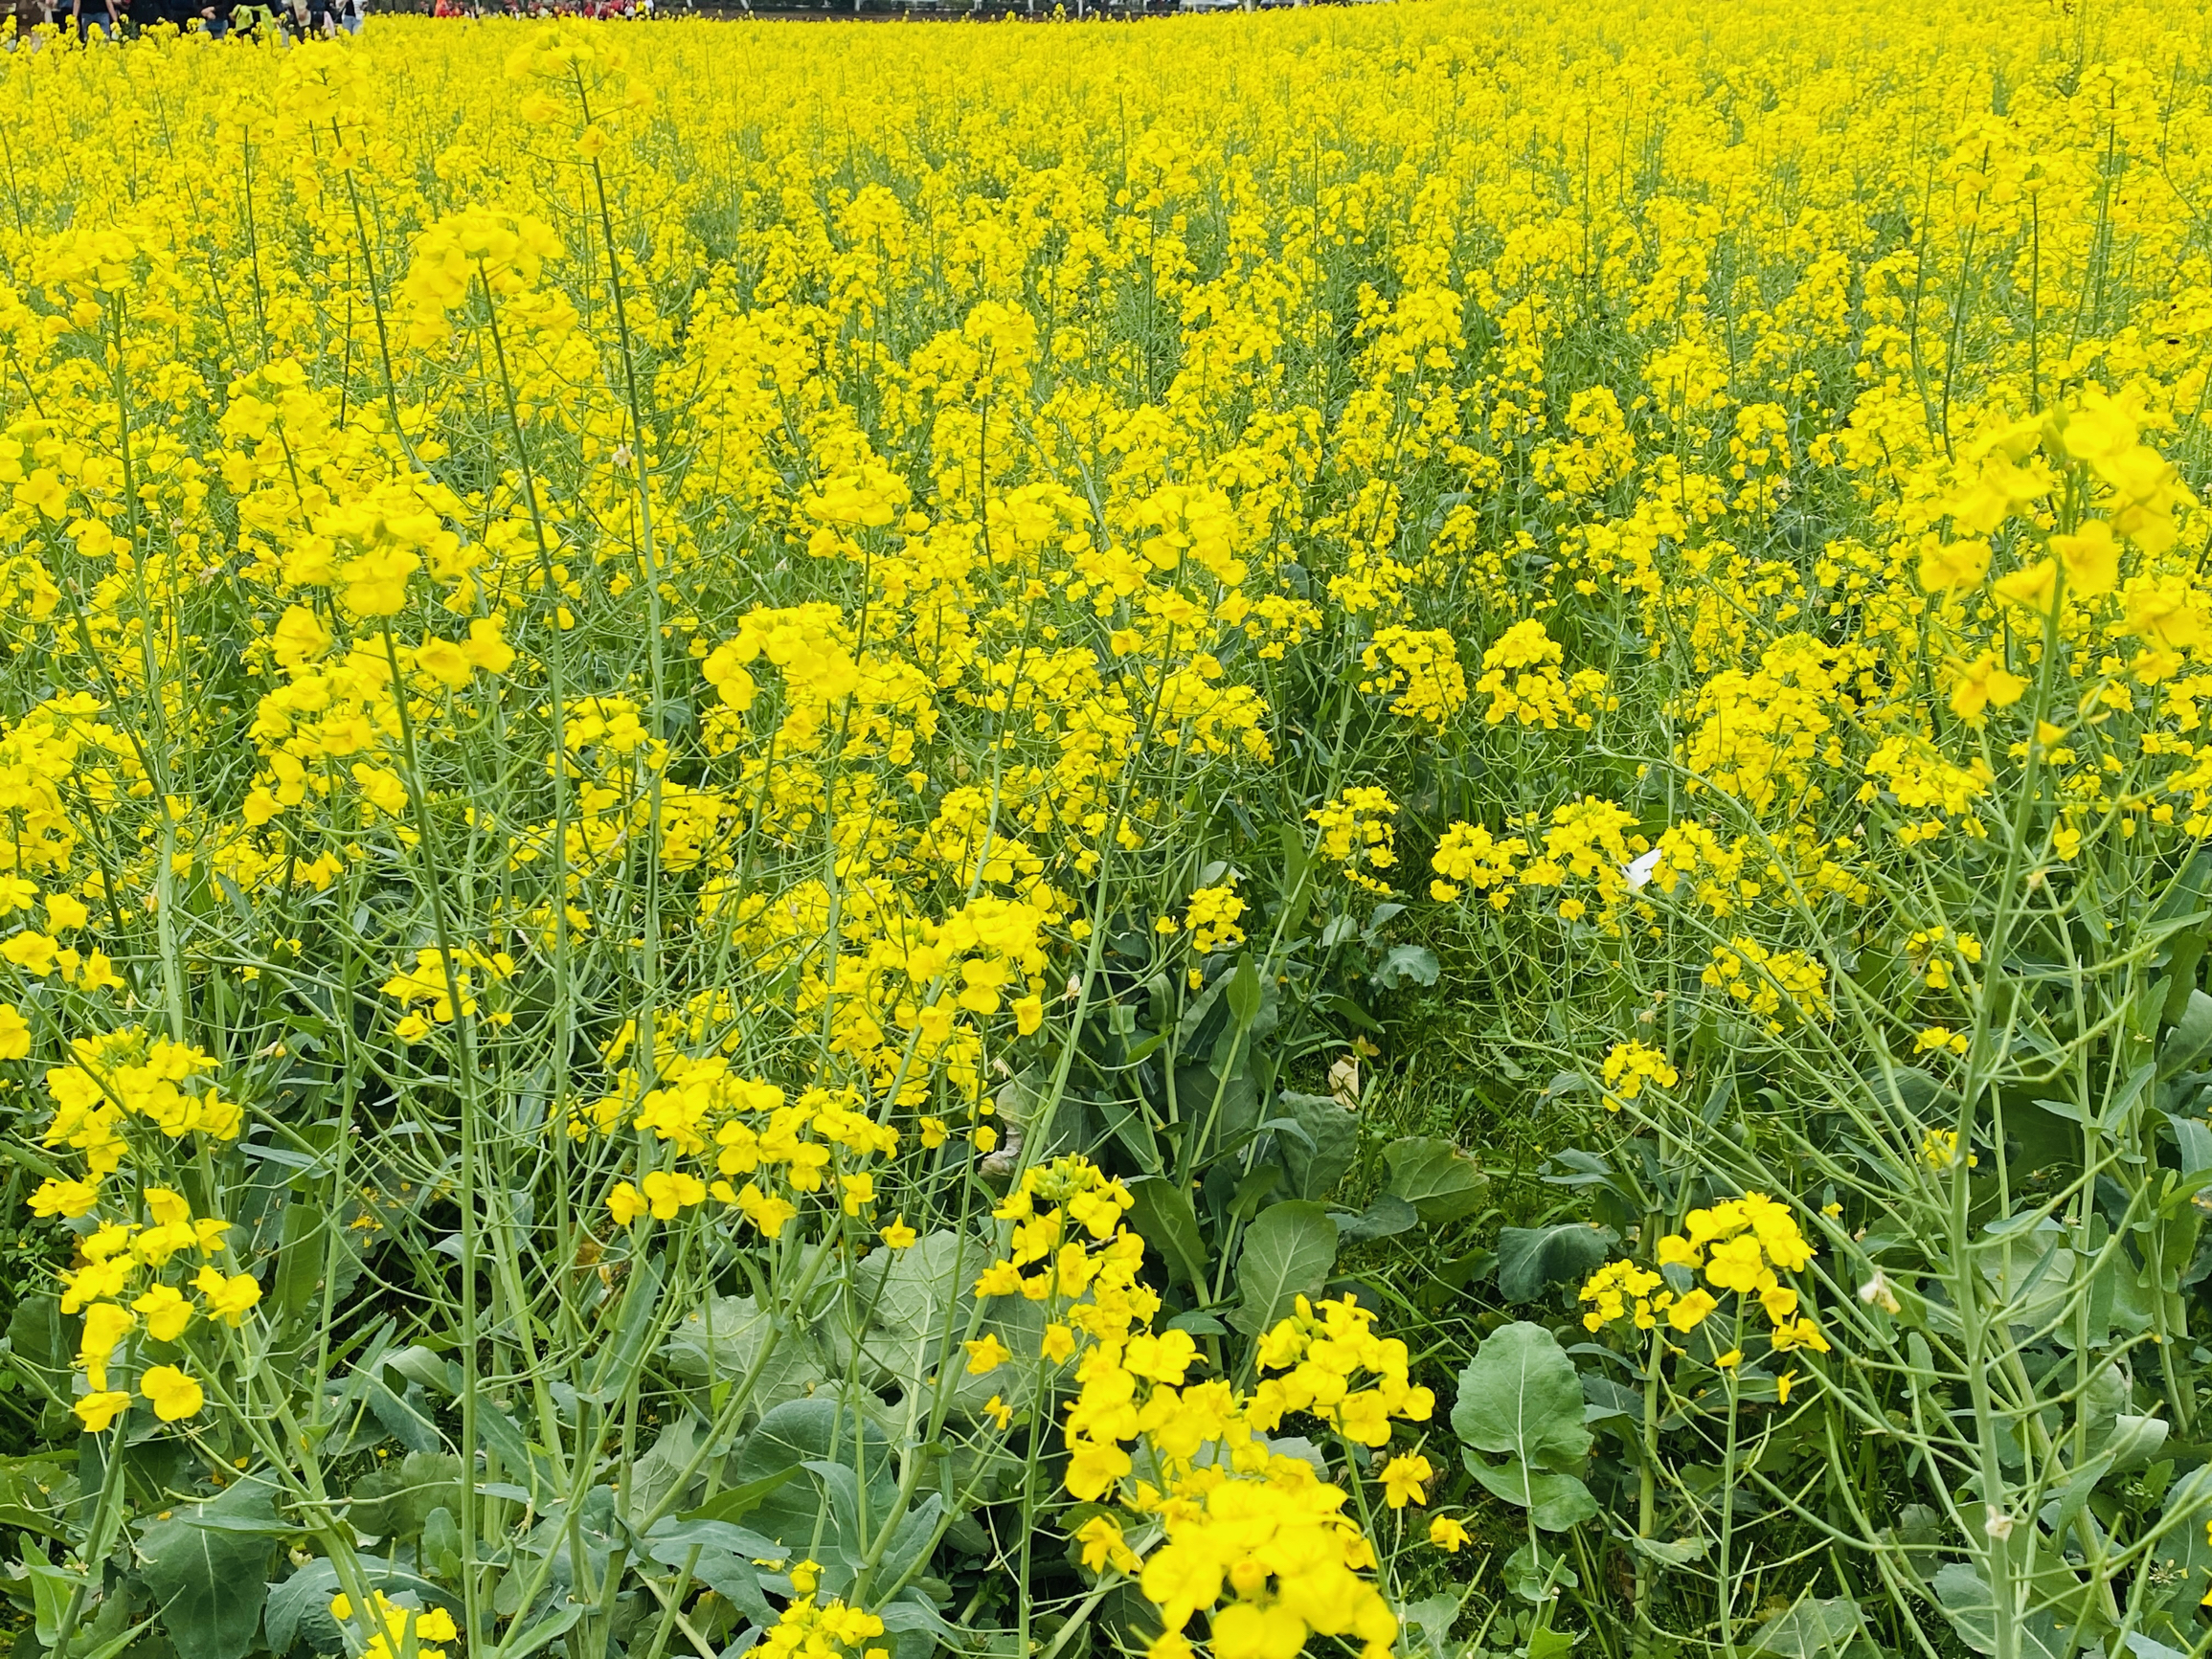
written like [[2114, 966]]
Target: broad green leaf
[[1554, 1502], [1965, 1598], [38, 1344], [2185, 1552], [394, 1499], [1387, 1216], [1244, 994], [1432, 1618], [2193, 1138], [440, 1547], [1440, 1181], [1532, 1573], [419, 1364], [819, 1430], [209, 1581], [1519, 1396], [655, 1471], [1166, 1221], [721, 1558], [114, 1644], [1287, 1254], [27, 1485], [1406, 965], [1530, 1259], [2191, 1036], [400, 1419], [741, 1501], [299, 1608], [1332, 1140], [621, 1358], [299, 1260], [547, 1630], [725, 1340], [1678, 1553], [1811, 1629], [50, 1591]]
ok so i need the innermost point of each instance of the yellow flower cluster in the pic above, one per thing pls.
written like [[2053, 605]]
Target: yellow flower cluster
[[1355, 834], [1628, 1067], [1769, 983], [131, 1075], [447, 984], [1266, 1531], [1211, 915], [1324, 1355], [810, 1629], [119, 1256], [1263, 1529], [1419, 670], [1520, 675], [396, 1631], [743, 1129], [1276, 1543], [1740, 1246], [1470, 856]]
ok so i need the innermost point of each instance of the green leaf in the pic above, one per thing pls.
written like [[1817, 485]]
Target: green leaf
[[1287, 1254], [1534, 1576], [1440, 1181], [1257, 1186], [115, 1645], [1406, 965], [741, 1501], [548, 1629], [49, 1592], [820, 1429], [1520, 1396], [2192, 1139], [1387, 1216], [1333, 1135], [1433, 1617], [440, 1546], [299, 1608], [724, 1338], [1531, 1258], [2191, 1036], [1965, 1597], [27, 1487], [1244, 992], [394, 1499], [300, 1259], [38, 1344], [208, 1580], [2184, 1554], [621, 1358], [1680, 1553], [726, 1573], [1810, 1629], [905, 1295], [1166, 1221], [1554, 1502], [655, 1471]]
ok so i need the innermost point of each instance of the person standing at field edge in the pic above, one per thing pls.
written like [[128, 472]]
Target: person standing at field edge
[[91, 14]]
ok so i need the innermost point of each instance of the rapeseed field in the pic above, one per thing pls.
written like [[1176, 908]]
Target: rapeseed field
[[1373, 831]]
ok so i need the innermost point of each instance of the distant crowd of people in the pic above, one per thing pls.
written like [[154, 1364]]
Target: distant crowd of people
[[293, 19], [631, 11], [249, 19]]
